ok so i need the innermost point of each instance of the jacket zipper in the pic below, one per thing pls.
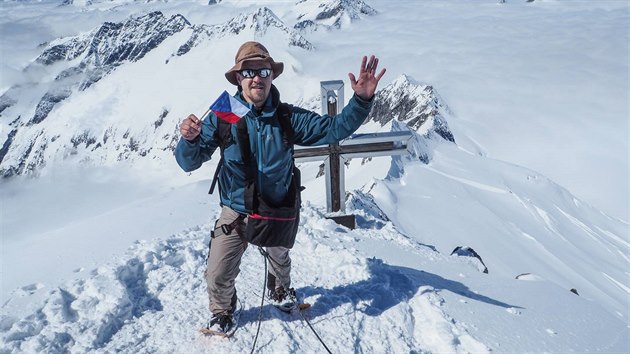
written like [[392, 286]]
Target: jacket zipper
[[259, 158]]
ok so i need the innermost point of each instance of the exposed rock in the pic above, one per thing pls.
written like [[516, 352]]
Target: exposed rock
[[67, 49], [469, 252], [7, 144], [83, 138], [160, 120], [418, 106], [6, 102], [47, 103]]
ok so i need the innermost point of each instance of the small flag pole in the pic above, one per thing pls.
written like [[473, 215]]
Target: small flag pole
[[205, 114]]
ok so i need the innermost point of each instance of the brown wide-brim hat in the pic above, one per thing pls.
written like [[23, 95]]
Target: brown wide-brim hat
[[249, 53]]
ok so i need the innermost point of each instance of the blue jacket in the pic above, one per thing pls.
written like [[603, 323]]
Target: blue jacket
[[272, 155]]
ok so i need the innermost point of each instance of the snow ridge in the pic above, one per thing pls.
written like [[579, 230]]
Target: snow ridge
[[117, 306], [331, 14], [153, 299], [256, 24]]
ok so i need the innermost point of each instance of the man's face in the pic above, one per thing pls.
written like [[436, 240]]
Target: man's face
[[257, 88]]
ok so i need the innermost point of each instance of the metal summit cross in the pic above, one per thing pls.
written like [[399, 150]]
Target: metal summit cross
[[335, 155]]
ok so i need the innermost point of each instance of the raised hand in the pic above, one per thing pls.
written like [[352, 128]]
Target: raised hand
[[365, 85]]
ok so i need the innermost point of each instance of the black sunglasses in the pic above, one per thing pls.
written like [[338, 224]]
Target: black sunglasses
[[250, 73]]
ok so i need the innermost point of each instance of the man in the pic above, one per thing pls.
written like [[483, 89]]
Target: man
[[253, 73]]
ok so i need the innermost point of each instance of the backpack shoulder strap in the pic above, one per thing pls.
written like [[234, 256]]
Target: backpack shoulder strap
[[242, 136], [288, 135], [284, 118], [223, 135]]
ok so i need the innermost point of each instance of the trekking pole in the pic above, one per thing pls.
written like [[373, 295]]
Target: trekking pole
[[270, 261], [314, 332], [262, 300]]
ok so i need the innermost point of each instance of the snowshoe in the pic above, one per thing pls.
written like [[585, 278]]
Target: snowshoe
[[286, 300], [220, 325], [224, 324]]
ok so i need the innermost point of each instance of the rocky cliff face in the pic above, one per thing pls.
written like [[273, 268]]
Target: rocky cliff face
[[111, 45], [409, 105], [416, 105]]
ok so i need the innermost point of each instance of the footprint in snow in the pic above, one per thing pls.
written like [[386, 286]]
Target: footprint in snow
[[32, 288]]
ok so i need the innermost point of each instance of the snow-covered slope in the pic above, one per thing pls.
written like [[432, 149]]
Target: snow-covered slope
[[524, 222], [373, 289], [390, 286]]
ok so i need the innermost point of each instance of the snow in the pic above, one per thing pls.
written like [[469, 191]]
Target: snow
[[376, 291], [111, 258]]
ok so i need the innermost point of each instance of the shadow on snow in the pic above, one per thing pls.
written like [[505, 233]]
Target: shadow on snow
[[386, 287]]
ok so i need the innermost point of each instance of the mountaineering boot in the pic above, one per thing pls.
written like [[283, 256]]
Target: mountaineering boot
[[221, 323], [224, 323], [283, 299]]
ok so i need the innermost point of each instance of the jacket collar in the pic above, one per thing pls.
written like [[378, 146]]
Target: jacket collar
[[268, 110]]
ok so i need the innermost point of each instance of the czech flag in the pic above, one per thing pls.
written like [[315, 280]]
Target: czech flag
[[229, 108]]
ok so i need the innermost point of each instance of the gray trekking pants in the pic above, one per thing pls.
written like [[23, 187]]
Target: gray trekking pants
[[224, 260]]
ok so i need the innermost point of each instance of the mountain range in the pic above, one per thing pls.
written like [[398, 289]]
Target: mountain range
[[74, 64]]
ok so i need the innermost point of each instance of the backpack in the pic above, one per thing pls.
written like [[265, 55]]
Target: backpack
[[267, 225]]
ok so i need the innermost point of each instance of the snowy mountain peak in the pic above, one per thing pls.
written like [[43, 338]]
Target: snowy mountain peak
[[256, 25], [261, 22], [131, 40], [91, 56], [330, 14], [417, 105]]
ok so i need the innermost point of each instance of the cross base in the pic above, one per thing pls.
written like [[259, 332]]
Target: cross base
[[348, 221]]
